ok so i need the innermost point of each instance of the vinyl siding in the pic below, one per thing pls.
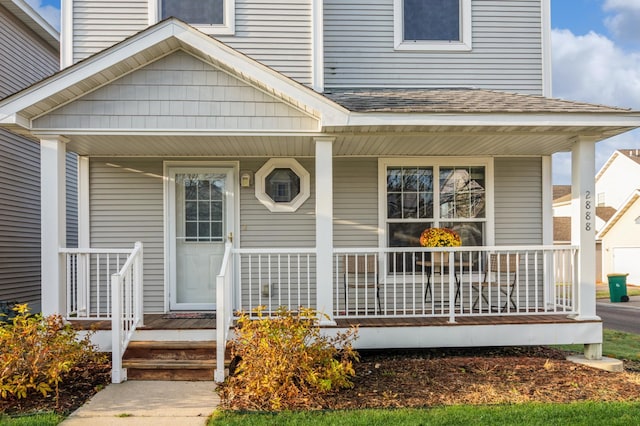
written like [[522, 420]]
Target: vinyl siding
[[126, 205], [101, 24], [506, 49], [19, 220], [24, 59], [17, 68], [355, 202], [275, 33], [178, 92], [261, 228], [518, 201], [72, 199]]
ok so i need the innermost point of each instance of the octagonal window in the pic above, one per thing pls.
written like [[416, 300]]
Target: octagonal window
[[282, 184]]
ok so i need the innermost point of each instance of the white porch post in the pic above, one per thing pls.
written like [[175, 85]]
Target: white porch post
[[324, 227], [583, 232], [53, 223], [84, 240]]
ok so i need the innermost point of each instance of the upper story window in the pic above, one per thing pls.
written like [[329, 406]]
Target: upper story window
[[209, 16], [432, 25]]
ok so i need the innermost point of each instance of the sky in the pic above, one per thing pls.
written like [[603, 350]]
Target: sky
[[596, 58]]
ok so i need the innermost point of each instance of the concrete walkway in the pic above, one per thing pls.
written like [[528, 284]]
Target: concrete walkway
[[155, 403]]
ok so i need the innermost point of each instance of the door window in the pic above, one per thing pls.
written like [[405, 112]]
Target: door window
[[203, 207]]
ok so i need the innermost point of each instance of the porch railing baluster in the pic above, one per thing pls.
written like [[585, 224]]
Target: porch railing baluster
[[518, 285]]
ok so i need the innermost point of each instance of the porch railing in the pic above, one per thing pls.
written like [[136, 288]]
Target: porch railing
[[88, 284], [127, 309], [224, 309], [451, 282], [107, 284], [275, 277]]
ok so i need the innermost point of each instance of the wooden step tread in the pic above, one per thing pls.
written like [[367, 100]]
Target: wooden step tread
[[154, 364], [170, 344]]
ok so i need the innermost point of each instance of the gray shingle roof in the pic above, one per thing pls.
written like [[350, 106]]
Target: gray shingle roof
[[456, 100]]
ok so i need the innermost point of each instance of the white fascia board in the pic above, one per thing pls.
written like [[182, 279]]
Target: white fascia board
[[332, 114], [177, 132], [607, 164], [619, 213], [83, 70], [623, 119]]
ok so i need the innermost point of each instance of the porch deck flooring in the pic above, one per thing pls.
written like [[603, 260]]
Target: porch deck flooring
[[151, 322], [158, 322], [460, 320]]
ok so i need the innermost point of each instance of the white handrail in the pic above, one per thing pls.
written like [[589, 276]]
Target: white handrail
[[224, 309], [68, 250], [127, 309]]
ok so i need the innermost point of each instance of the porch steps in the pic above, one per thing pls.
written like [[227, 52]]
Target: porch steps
[[171, 360]]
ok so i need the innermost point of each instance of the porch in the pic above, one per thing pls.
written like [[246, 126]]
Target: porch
[[400, 298]]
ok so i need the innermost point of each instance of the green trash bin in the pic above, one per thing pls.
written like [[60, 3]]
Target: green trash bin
[[617, 287]]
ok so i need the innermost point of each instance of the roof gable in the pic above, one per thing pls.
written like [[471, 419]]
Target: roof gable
[[178, 92], [628, 156], [146, 47]]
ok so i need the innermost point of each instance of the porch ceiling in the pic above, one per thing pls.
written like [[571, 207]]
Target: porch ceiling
[[369, 141]]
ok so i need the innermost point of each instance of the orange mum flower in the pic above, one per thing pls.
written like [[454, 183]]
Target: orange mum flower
[[440, 237]]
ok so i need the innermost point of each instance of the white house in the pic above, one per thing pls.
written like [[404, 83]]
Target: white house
[[29, 52], [617, 185], [292, 154]]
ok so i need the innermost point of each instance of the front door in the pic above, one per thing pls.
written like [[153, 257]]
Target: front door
[[200, 221]]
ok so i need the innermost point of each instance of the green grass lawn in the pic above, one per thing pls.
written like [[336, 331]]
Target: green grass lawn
[[603, 293], [44, 419], [584, 413], [616, 344]]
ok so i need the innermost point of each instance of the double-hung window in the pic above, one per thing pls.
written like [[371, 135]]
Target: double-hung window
[[420, 195], [432, 25], [209, 16]]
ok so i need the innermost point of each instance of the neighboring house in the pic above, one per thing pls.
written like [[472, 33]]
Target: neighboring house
[[562, 223], [617, 233], [617, 186], [264, 155], [29, 51]]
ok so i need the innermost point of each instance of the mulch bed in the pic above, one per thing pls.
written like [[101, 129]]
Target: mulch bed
[[430, 378], [78, 386], [421, 378]]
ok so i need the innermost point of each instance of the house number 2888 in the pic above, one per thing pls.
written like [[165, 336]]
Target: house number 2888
[[587, 213]]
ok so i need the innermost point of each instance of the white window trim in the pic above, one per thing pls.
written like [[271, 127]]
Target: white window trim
[[229, 28], [486, 162], [282, 163], [465, 32]]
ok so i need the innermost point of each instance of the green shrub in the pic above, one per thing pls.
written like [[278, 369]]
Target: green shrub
[[285, 363], [37, 351]]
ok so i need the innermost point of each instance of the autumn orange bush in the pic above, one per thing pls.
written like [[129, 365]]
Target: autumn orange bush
[[37, 351], [286, 363]]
